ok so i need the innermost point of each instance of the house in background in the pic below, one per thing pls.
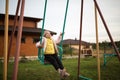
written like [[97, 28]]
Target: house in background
[[86, 47], [30, 35]]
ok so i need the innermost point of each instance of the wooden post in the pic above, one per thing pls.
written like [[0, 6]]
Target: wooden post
[[18, 43], [97, 43], [13, 30], [6, 41], [80, 38]]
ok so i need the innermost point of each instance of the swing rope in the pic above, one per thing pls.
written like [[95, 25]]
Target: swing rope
[[40, 51], [64, 24]]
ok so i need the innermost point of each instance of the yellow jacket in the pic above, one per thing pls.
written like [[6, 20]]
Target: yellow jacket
[[43, 44]]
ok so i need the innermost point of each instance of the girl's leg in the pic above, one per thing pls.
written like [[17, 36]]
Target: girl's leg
[[52, 61], [58, 62], [64, 73]]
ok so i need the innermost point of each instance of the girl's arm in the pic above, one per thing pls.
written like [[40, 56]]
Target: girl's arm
[[59, 38], [40, 45]]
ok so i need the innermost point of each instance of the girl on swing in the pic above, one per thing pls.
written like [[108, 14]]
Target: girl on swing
[[50, 52]]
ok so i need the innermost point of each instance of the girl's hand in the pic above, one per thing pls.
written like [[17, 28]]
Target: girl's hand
[[61, 34], [38, 45]]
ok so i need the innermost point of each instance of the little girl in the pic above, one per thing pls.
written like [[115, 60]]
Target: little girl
[[50, 52]]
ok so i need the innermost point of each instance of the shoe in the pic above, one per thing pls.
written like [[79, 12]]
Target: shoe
[[62, 73], [66, 74]]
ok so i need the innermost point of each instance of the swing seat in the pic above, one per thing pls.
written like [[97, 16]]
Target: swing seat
[[46, 62]]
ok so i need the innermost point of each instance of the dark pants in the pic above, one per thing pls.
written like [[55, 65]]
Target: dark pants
[[54, 60]]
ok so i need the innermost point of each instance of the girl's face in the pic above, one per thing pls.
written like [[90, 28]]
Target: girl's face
[[47, 34]]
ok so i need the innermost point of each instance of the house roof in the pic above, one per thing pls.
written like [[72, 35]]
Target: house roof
[[74, 42], [26, 30], [2, 17]]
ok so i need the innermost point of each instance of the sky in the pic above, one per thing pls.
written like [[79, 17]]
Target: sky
[[55, 17]]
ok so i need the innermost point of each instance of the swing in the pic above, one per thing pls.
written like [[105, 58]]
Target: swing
[[60, 49]]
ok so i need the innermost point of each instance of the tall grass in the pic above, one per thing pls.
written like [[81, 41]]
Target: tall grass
[[33, 70]]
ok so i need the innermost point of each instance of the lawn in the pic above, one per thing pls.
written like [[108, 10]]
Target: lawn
[[33, 70]]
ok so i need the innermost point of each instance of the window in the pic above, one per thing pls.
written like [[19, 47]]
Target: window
[[23, 40], [35, 40]]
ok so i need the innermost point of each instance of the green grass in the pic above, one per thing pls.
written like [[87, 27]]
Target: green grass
[[33, 70]]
